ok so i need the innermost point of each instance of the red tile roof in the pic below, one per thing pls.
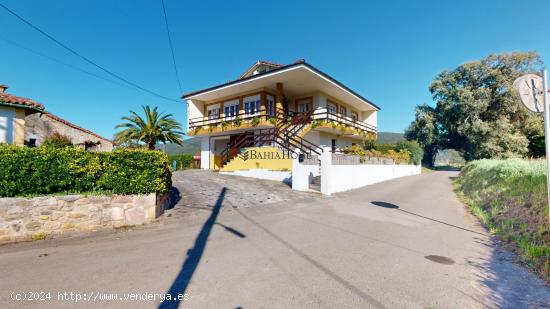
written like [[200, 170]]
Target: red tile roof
[[260, 62], [10, 99], [74, 126]]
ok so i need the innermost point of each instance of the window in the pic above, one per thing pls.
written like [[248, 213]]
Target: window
[[343, 111], [252, 105], [270, 105], [213, 113], [231, 109], [354, 116], [331, 108], [31, 142], [304, 106]]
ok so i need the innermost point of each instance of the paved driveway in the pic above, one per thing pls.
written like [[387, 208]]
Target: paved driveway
[[243, 243]]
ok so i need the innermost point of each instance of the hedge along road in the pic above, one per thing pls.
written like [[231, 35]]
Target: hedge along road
[[243, 243]]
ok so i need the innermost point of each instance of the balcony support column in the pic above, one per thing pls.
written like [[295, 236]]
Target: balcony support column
[[279, 98]]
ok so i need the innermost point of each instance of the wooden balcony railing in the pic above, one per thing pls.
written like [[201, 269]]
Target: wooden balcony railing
[[218, 119], [324, 115]]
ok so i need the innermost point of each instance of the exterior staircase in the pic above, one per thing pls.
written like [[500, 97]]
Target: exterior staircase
[[287, 134]]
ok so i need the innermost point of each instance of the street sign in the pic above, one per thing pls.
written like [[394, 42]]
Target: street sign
[[530, 89], [533, 91]]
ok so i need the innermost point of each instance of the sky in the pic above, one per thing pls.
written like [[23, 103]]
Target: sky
[[388, 51]]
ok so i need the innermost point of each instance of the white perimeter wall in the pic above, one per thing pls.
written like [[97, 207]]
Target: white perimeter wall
[[347, 177], [339, 178]]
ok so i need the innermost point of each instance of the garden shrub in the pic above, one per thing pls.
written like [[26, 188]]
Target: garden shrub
[[354, 150], [399, 157], [415, 150], [44, 170], [57, 140], [183, 161]]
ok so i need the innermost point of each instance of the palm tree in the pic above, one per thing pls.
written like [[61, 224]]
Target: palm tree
[[156, 127]]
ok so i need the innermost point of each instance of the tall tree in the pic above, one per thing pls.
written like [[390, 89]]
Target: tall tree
[[424, 130], [477, 110], [156, 127]]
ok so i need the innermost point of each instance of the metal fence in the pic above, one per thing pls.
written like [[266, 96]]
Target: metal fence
[[311, 160], [345, 159]]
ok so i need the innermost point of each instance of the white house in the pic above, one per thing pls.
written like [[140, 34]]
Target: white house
[[277, 107]]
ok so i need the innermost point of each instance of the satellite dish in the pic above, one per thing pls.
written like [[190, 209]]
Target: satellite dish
[[530, 89]]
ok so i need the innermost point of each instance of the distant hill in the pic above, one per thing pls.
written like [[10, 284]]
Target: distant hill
[[389, 137], [190, 146]]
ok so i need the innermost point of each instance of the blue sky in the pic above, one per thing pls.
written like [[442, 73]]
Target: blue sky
[[388, 51]]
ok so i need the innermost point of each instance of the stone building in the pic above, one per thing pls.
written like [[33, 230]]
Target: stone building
[[39, 126]]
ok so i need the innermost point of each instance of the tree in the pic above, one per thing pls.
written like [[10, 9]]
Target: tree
[[424, 130], [477, 110], [155, 128]]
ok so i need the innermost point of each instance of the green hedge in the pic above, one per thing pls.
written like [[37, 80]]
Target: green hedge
[[184, 161], [415, 150], [37, 171]]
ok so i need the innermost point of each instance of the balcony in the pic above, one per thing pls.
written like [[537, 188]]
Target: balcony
[[220, 122], [320, 119], [330, 121]]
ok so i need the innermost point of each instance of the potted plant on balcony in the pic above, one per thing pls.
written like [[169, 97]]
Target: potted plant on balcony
[[255, 121], [224, 125], [238, 121]]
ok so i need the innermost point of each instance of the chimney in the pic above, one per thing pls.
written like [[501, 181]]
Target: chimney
[[3, 88]]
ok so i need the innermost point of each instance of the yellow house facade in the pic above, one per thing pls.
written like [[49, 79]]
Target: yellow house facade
[[281, 108], [13, 110]]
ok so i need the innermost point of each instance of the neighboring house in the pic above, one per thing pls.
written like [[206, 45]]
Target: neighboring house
[[13, 110], [39, 126], [279, 108], [25, 122]]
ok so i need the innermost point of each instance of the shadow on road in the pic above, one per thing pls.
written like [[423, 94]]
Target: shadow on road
[[393, 206], [194, 255], [175, 197]]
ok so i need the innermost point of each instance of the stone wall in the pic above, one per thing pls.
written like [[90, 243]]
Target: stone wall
[[36, 218], [42, 125]]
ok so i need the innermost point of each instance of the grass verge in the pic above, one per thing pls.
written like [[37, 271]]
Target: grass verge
[[509, 197]]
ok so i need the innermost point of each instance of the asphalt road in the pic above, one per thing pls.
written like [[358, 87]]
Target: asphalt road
[[242, 243]]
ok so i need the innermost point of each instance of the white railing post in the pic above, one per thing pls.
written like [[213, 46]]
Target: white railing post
[[326, 165]]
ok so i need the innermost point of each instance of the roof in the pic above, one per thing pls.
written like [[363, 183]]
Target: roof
[[10, 99], [300, 63], [258, 63], [74, 126]]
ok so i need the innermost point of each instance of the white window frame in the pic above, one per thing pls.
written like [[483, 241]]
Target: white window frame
[[304, 102], [252, 105], [233, 107], [213, 112], [330, 110], [270, 105], [345, 111], [354, 116]]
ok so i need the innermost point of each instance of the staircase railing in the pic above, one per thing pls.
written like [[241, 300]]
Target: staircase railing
[[284, 133]]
